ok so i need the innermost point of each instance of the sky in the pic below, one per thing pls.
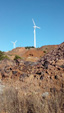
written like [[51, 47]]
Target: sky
[[16, 22]]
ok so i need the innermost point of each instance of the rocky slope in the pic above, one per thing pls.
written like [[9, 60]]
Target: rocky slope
[[32, 54], [33, 87]]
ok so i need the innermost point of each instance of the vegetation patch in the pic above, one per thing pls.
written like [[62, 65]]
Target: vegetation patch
[[17, 57], [3, 56], [28, 47], [44, 51]]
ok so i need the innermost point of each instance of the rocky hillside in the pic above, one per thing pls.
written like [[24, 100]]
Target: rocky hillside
[[33, 87], [32, 54]]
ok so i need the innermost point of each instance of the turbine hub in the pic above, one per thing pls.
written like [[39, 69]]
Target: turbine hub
[[34, 27]]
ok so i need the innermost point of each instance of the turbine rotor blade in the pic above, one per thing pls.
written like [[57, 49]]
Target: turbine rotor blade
[[33, 22], [15, 41], [37, 27]]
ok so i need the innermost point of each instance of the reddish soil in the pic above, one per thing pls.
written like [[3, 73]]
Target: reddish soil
[[32, 54]]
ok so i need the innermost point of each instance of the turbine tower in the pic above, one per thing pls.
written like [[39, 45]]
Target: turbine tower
[[35, 32], [14, 43]]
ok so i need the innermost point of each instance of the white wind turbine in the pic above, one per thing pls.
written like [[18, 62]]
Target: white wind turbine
[[14, 43], [35, 32]]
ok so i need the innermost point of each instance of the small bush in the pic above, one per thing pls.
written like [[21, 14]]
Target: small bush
[[17, 57], [6, 57], [1, 53], [44, 51], [3, 56], [28, 47]]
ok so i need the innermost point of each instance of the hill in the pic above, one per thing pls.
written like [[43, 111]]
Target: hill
[[33, 87], [32, 54]]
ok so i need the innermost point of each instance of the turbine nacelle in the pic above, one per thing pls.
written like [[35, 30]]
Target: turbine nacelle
[[14, 42], [36, 27]]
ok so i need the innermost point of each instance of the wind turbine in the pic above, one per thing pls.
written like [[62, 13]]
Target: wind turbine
[[14, 43], [35, 32]]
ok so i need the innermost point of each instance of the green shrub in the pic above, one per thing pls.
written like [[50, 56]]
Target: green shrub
[[3, 56], [44, 51], [28, 47], [17, 57], [6, 57]]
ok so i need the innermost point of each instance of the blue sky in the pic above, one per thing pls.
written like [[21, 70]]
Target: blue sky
[[16, 22]]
